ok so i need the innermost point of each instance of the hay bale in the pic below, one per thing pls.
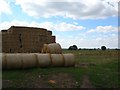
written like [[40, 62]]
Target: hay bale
[[16, 61], [43, 60], [28, 60], [57, 60], [49, 32], [53, 38], [0, 42], [13, 61], [4, 63], [0, 60], [69, 60], [44, 49], [53, 48]]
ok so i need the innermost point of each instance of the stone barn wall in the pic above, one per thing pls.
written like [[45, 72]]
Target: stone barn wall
[[25, 39]]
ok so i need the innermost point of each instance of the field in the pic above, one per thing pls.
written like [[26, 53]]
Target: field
[[93, 69]]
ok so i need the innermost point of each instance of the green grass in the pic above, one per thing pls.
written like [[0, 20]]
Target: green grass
[[103, 74], [19, 75]]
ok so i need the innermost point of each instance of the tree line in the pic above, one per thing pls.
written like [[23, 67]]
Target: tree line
[[74, 47]]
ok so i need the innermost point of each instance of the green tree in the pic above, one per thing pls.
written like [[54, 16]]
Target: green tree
[[103, 48]]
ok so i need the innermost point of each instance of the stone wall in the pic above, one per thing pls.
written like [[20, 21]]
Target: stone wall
[[25, 39]]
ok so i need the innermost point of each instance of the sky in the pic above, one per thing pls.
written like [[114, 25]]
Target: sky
[[85, 23]]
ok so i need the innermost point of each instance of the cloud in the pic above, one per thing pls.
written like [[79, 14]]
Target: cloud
[[103, 29], [5, 7], [81, 39], [68, 27], [48, 25], [7, 24], [84, 9], [110, 41]]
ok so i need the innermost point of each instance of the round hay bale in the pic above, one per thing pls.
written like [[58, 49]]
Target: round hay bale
[[44, 48], [13, 61], [69, 60], [43, 60], [0, 61], [28, 60], [4, 62], [57, 60], [53, 48]]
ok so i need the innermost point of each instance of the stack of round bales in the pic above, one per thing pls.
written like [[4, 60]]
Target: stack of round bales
[[51, 56], [16, 61]]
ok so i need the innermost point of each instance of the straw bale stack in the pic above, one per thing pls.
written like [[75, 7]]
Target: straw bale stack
[[44, 49], [0, 42], [53, 39], [4, 62], [17, 61], [27, 37], [49, 33]]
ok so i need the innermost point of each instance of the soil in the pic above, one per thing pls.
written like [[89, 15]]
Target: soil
[[86, 82], [61, 80]]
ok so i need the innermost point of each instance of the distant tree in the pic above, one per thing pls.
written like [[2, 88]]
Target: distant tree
[[98, 48], [80, 48], [90, 49], [84, 49], [103, 48], [74, 47], [70, 48]]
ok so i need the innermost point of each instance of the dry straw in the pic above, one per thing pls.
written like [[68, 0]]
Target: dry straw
[[28, 60], [16, 61], [43, 60], [13, 61], [4, 62], [57, 60], [44, 49], [53, 48], [69, 59]]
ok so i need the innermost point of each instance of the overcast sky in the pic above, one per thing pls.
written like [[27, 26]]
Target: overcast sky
[[85, 23]]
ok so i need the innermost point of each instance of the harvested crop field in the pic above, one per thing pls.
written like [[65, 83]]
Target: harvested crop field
[[93, 69]]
